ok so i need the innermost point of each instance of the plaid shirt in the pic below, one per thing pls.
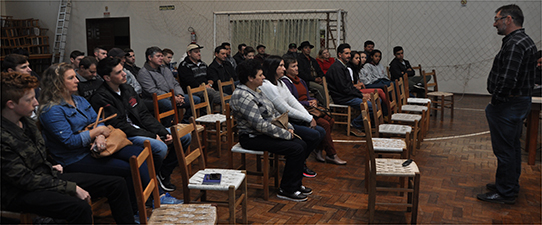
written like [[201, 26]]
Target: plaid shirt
[[514, 67], [254, 113]]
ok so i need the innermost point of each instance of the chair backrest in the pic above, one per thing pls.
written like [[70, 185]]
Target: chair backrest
[[152, 188], [326, 91], [223, 97], [369, 141], [378, 116], [187, 156], [392, 98], [173, 111], [388, 72], [401, 96], [430, 87], [203, 104], [419, 68], [405, 84]]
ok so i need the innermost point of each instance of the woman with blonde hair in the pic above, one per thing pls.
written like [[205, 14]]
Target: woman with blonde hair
[[324, 59]]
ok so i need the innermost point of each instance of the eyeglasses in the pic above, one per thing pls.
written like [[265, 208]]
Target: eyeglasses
[[500, 18]]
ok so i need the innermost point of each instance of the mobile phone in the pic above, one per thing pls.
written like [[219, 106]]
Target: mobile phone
[[212, 178]]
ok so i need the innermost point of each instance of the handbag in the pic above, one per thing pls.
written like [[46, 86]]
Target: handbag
[[282, 122], [318, 111], [114, 142]]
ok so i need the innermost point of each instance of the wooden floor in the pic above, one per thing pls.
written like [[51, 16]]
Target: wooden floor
[[456, 162]]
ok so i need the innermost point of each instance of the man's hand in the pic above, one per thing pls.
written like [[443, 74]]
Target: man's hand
[[82, 194], [158, 138], [179, 99], [58, 168], [168, 140]]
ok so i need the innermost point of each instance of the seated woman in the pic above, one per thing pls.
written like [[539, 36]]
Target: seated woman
[[279, 95], [300, 91], [373, 74], [254, 113], [63, 114], [354, 67], [324, 59]]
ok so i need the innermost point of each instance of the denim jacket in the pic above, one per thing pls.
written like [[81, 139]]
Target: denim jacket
[[61, 124]]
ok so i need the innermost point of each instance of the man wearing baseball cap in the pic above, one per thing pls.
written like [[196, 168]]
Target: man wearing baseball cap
[[260, 57], [292, 51]]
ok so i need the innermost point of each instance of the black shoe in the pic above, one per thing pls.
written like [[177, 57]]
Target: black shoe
[[165, 183], [296, 196], [419, 86], [496, 198], [308, 172], [305, 190], [492, 187]]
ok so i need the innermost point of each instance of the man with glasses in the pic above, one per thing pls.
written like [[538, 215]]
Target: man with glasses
[[510, 83]]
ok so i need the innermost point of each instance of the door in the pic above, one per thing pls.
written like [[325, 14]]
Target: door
[[108, 33]]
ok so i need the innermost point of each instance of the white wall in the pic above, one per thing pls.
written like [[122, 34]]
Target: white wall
[[458, 41]]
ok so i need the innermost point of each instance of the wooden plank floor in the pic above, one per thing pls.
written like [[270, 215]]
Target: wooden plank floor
[[456, 161]]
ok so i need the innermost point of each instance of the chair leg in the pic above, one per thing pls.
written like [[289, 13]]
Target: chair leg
[[348, 121], [452, 107], [415, 197], [244, 194], [218, 139], [231, 204], [265, 176], [367, 177], [276, 169], [442, 108], [372, 199]]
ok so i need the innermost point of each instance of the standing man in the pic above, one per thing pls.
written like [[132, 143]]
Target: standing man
[[310, 71], [100, 53], [130, 61], [240, 55], [510, 83]]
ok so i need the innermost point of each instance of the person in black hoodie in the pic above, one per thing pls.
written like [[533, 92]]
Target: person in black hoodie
[[117, 97]]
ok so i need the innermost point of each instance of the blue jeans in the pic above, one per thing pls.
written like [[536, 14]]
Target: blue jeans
[[311, 136], [356, 102], [380, 83], [159, 149], [505, 124]]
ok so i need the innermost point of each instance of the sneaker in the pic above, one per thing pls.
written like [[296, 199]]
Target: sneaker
[[296, 196], [305, 190], [308, 172], [419, 86], [165, 183], [167, 199], [496, 198]]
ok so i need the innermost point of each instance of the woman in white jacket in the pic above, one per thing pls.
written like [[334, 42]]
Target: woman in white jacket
[[284, 101]]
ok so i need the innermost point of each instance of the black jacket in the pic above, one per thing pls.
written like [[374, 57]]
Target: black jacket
[[239, 58], [222, 72], [304, 66], [128, 103], [397, 68], [340, 84]]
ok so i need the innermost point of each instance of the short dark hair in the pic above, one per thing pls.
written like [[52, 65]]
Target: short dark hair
[[76, 53], [396, 49], [270, 65], [514, 11], [376, 51], [368, 42], [248, 50], [13, 60], [151, 51], [97, 48], [167, 51], [224, 44], [218, 48], [248, 69], [240, 46], [128, 50], [289, 60], [342, 47], [15, 84], [105, 66], [21, 51], [87, 61]]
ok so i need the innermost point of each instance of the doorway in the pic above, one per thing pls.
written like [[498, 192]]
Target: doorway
[[108, 33]]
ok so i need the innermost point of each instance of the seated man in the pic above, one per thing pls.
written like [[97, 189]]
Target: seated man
[[156, 78], [30, 183], [260, 57], [193, 73], [75, 58], [292, 51], [19, 63], [221, 69], [399, 66], [373, 74], [310, 71], [89, 81], [130, 61], [240, 55], [168, 57], [229, 58], [100, 53], [119, 98], [341, 88]]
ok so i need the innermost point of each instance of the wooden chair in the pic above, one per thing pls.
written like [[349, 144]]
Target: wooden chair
[[388, 146], [440, 100], [412, 120], [173, 112], [403, 106], [199, 214], [336, 110], [25, 218], [386, 167], [231, 181], [224, 97], [231, 126], [215, 124], [417, 100]]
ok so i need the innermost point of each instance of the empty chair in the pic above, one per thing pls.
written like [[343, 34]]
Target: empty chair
[[441, 100]]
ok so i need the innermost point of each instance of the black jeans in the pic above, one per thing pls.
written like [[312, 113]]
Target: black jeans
[[74, 210], [294, 150]]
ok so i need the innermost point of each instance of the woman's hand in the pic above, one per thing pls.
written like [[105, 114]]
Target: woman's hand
[[99, 143], [82, 194], [313, 103], [58, 168], [313, 123]]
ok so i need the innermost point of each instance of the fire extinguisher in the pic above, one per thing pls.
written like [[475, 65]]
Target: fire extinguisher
[[193, 36]]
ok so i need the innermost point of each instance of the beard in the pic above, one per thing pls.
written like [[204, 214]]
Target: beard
[[501, 30]]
